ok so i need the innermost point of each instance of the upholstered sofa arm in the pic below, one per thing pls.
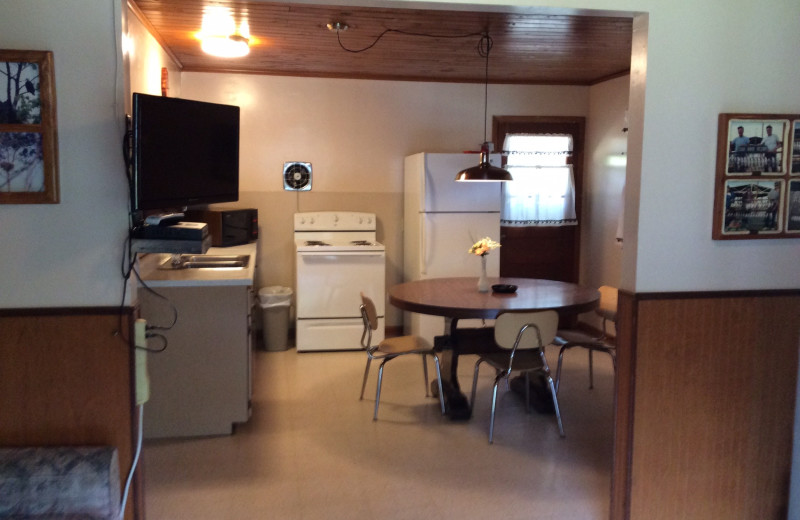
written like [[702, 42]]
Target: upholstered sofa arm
[[59, 482]]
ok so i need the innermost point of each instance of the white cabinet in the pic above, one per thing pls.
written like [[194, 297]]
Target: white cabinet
[[201, 383]]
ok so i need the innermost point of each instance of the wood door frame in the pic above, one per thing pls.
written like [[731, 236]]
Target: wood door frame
[[573, 125]]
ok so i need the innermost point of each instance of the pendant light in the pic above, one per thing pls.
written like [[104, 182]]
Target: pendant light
[[484, 171]]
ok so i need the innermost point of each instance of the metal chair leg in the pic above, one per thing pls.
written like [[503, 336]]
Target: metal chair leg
[[364, 383], [475, 383], [558, 367], [494, 407], [425, 371], [555, 405], [439, 381], [378, 391]]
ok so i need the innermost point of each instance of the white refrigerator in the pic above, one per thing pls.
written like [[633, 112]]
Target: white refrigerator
[[442, 219]]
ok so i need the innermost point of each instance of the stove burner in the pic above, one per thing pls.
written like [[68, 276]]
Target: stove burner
[[316, 243], [361, 243]]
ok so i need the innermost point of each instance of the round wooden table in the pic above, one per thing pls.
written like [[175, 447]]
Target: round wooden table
[[458, 298]]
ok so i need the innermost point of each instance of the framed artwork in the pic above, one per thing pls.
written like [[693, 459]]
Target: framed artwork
[[28, 141], [757, 157]]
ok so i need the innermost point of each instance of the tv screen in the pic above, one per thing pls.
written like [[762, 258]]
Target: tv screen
[[184, 152]]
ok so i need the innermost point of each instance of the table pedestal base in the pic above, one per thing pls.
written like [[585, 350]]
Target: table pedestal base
[[541, 400], [449, 347]]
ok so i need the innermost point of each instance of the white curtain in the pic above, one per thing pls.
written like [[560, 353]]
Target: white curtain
[[543, 190]]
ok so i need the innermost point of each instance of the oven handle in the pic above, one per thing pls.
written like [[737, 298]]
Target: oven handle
[[342, 253]]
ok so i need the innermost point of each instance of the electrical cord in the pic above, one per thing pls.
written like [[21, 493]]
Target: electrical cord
[[128, 264], [133, 465], [407, 33]]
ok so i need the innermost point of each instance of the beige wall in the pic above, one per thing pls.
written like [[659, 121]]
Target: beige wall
[[147, 57], [356, 134], [604, 181]]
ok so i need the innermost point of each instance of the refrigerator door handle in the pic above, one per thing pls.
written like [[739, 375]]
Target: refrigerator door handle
[[423, 249]]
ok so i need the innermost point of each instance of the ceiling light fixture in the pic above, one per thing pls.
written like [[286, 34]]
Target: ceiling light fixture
[[219, 36], [338, 26], [484, 171]]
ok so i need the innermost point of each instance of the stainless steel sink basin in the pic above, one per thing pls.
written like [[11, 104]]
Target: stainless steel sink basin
[[206, 262]]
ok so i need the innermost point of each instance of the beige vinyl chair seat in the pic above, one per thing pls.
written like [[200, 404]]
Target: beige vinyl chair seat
[[391, 348], [523, 335], [572, 338], [403, 345]]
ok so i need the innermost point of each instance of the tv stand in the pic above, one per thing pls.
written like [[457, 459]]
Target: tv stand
[[164, 219], [164, 245]]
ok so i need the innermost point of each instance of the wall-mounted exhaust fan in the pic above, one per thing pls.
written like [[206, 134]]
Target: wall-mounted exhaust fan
[[297, 176]]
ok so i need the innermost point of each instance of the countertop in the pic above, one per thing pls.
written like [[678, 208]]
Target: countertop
[[154, 277]]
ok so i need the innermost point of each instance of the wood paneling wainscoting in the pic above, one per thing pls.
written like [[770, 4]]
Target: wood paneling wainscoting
[[67, 379], [705, 404]]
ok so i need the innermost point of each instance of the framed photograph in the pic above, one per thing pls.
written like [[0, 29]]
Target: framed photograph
[[28, 140], [793, 207], [795, 163], [756, 156], [752, 206], [756, 146]]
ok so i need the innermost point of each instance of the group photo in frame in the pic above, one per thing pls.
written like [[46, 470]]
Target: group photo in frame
[[757, 184], [793, 207], [28, 141], [756, 146]]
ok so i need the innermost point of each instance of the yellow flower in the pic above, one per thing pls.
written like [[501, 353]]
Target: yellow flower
[[483, 246]]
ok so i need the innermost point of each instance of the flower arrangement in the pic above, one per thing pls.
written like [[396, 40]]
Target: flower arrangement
[[483, 246]]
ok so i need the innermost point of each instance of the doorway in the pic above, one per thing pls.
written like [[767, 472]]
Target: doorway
[[550, 252]]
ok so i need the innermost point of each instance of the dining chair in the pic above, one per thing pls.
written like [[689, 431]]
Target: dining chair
[[391, 348], [571, 338], [522, 337]]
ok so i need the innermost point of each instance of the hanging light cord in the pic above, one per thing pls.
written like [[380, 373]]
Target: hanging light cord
[[408, 33], [484, 47]]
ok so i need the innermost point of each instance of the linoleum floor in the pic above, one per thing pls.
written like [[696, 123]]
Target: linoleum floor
[[312, 451]]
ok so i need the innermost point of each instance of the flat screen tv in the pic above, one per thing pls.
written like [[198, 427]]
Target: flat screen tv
[[184, 153]]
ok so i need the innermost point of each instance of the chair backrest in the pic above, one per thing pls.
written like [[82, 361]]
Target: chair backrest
[[608, 303], [368, 308], [508, 325]]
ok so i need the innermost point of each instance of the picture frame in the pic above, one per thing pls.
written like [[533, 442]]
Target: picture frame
[[758, 162], [28, 128], [793, 207], [794, 169]]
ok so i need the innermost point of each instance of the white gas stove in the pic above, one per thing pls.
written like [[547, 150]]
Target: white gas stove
[[338, 258]]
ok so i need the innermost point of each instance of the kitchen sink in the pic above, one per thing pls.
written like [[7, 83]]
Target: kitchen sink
[[206, 262]]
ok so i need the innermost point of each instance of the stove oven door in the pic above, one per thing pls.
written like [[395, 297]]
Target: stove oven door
[[328, 297]]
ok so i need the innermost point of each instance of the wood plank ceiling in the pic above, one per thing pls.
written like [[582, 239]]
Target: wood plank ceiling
[[292, 39]]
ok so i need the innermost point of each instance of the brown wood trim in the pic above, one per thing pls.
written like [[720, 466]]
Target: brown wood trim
[[66, 311], [622, 73], [704, 403], [389, 77], [742, 293], [624, 406], [68, 378]]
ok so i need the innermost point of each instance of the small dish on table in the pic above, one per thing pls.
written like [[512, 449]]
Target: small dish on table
[[504, 288]]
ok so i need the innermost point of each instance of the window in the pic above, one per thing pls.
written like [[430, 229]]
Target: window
[[543, 190]]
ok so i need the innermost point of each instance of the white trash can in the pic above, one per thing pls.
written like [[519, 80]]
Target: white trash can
[[275, 302]]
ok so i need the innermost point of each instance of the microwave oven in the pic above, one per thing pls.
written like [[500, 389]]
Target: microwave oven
[[228, 227]]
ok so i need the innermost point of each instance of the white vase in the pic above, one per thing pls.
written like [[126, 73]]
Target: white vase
[[483, 281]]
